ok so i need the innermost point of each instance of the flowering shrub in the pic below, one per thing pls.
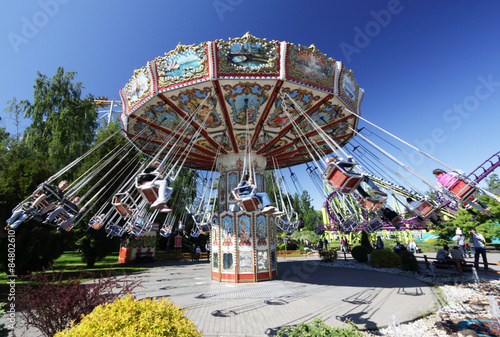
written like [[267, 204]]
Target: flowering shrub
[[50, 303], [328, 255], [129, 317]]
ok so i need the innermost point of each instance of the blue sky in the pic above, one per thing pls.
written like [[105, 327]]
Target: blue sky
[[430, 69]]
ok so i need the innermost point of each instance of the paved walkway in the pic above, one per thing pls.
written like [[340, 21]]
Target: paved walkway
[[304, 290]]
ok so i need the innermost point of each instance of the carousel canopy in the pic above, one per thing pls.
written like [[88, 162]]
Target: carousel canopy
[[245, 94]]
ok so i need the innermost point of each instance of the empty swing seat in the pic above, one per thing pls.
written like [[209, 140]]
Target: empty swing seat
[[371, 206], [121, 204], [374, 225], [424, 209], [342, 181]]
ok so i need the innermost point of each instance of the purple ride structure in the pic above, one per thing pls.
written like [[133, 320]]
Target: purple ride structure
[[245, 102]]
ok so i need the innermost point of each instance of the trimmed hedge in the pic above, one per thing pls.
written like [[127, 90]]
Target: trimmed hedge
[[360, 253], [385, 258]]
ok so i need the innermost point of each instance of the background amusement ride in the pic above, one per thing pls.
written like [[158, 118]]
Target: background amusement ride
[[248, 106]]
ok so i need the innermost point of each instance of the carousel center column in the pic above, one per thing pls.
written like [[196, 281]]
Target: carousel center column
[[243, 241]]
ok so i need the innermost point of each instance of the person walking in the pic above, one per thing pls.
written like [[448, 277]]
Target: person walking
[[479, 248]]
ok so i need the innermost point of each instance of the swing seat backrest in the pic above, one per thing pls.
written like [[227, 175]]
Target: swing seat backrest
[[397, 220], [374, 225], [424, 209], [379, 204], [165, 233], [250, 204], [462, 190], [124, 204], [342, 181], [368, 205], [96, 224], [114, 230], [149, 193], [121, 207], [350, 225], [68, 227]]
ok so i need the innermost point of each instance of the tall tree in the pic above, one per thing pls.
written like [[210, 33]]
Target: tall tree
[[63, 124], [493, 183], [14, 111]]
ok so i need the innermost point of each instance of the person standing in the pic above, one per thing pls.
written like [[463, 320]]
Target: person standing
[[479, 248], [326, 244], [461, 243]]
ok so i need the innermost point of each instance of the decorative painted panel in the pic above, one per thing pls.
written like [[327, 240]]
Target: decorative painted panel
[[248, 55], [309, 65], [183, 64]]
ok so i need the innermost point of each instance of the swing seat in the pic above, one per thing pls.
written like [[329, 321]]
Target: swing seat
[[350, 225], [248, 203], [424, 209], [96, 222], [121, 204], [114, 230], [165, 232], [397, 221], [462, 190], [121, 207], [342, 181], [374, 225], [371, 206], [149, 193], [67, 228]]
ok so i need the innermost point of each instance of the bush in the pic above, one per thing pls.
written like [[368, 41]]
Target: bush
[[360, 253], [385, 258], [319, 328], [128, 317], [408, 261], [291, 246], [328, 255], [50, 303]]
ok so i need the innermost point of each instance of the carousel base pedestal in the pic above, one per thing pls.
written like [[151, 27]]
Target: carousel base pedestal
[[243, 247]]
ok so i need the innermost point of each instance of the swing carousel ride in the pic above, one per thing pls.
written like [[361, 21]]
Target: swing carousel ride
[[236, 108]]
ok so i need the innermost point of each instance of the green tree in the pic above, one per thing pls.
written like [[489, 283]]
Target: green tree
[[493, 183], [489, 227], [14, 110], [62, 129], [63, 124]]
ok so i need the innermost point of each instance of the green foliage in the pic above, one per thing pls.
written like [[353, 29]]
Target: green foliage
[[306, 234], [493, 183], [360, 253], [63, 124], [385, 258], [408, 261], [365, 241], [128, 317], [489, 227], [318, 328], [4, 332]]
